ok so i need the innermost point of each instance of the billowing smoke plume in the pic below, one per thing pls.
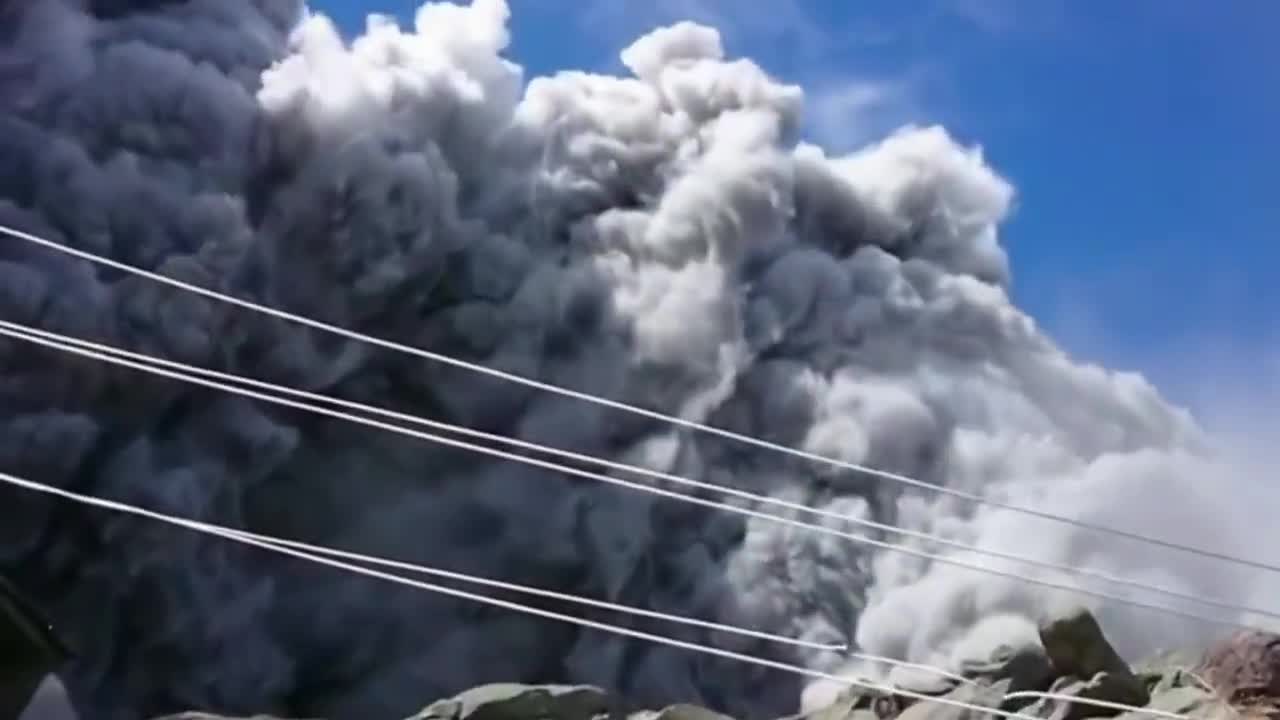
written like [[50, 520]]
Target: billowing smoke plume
[[659, 238]]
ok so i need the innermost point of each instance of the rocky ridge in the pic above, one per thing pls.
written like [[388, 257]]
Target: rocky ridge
[[1073, 674]]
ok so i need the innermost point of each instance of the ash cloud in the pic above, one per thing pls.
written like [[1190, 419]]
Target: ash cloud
[[660, 238]]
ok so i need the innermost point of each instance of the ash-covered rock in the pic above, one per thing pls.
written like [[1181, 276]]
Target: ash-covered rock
[[1244, 667], [521, 702], [1074, 674]]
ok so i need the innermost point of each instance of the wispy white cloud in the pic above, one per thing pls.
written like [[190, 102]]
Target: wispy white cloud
[[991, 16], [1001, 17], [843, 114]]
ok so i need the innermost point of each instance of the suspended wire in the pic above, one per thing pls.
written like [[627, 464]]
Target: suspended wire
[[842, 648], [676, 479], [553, 595], [6, 329], [282, 546], [636, 469], [624, 407]]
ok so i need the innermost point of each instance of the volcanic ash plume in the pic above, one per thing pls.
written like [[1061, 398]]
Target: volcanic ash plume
[[662, 239]]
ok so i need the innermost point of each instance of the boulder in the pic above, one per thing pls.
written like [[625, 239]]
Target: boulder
[[844, 708], [509, 701], [1170, 670], [1104, 687], [1192, 702], [1245, 668], [1026, 668], [1078, 650], [921, 681], [1238, 680], [984, 696], [854, 703], [857, 702], [1076, 646], [687, 712], [1165, 660]]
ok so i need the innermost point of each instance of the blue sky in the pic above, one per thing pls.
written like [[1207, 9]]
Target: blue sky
[[1141, 137]]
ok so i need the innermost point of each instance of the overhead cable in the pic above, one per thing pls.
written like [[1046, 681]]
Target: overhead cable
[[278, 545], [639, 470], [621, 406], [8, 330]]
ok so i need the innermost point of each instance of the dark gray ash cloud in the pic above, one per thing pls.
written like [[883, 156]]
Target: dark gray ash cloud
[[659, 239]]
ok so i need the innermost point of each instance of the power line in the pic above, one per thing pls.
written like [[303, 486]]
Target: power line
[[677, 479], [280, 546], [459, 444], [842, 648], [625, 407], [551, 594]]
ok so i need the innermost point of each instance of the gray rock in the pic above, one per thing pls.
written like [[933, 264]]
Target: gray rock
[[1245, 668], [1192, 702], [1077, 649], [688, 712], [985, 696], [1161, 662], [921, 681], [1076, 646], [848, 706], [1026, 668], [1170, 670], [1104, 687], [1177, 678], [521, 702], [858, 702]]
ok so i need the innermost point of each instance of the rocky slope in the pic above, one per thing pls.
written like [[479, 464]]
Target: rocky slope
[[1074, 663]]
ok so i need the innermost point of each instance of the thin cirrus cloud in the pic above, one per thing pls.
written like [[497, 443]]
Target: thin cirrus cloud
[[842, 115]]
